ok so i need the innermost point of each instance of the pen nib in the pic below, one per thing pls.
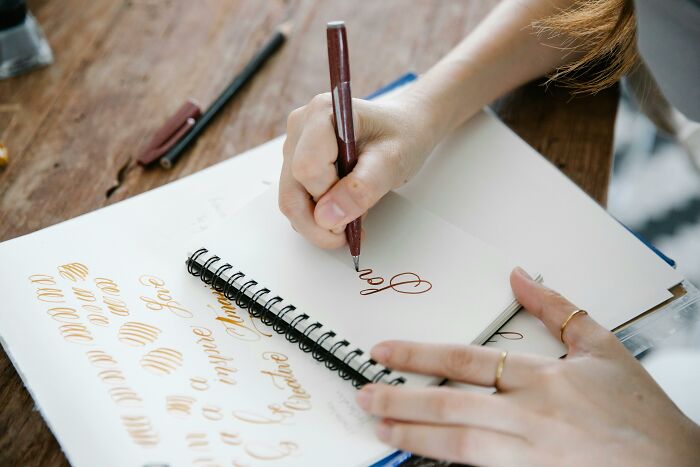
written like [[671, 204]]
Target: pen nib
[[356, 261]]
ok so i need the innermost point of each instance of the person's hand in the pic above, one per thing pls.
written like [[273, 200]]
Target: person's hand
[[392, 140], [597, 406]]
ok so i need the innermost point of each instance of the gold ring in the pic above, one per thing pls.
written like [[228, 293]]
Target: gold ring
[[499, 370], [566, 322]]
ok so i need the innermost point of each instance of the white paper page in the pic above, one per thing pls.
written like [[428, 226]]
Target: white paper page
[[134, 362], [589, 269], [495, 186], [429, 281]]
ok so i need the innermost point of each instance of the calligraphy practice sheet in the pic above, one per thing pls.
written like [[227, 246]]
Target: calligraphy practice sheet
[[132, 361], [421, 279]]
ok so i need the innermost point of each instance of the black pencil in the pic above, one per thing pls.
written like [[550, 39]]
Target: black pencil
[[277, 39]]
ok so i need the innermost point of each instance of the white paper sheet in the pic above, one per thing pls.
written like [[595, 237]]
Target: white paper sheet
[[133, 362], [484, 180], [421, 278]]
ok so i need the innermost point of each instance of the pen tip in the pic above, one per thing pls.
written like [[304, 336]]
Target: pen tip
[[356, 262], [285, 28]]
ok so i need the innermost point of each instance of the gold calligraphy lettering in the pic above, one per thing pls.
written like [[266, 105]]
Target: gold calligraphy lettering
[[162, 361], [140, 430], [83, 295], [179, 406], [42, 279], [266, 452], [111, 376], [101, 359], [137, 334], [230, 438], [73, 271], [163, 300], [63, 315], [50, 294], [212, 412], [199, 384], [125, 397], [221, 364], [233, 321], [197, 441], [75, 333]]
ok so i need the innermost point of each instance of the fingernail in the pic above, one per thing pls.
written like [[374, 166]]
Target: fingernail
[[364, 397], [522, 273], [384, 431], [329, 214], [381, 352]]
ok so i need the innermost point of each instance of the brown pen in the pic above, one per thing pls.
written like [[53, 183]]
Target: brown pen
[[339, 66]]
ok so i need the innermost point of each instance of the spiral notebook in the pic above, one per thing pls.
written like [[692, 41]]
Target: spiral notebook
[[421, 279]]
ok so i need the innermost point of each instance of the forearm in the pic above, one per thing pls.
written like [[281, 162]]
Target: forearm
[[502, 53]]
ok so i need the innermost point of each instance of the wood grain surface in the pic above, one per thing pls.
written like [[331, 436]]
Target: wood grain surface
[[123, 66]]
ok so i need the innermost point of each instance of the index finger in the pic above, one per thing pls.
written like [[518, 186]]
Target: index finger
[[582, 333]]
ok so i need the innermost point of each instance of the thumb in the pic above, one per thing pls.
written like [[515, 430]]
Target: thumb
[[353, 195]]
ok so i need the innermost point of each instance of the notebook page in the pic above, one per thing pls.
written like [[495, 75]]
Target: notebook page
[[130, 362], [421, 278]]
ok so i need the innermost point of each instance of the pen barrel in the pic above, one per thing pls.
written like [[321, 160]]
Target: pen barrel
[[339, 68], [344, 130]]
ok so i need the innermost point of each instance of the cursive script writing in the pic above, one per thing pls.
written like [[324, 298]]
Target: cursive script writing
[[405, 283]]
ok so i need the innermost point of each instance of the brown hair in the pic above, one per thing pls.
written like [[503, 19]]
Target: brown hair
[[601, 34]]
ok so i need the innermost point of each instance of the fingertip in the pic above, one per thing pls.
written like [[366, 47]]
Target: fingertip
[[382, 351]]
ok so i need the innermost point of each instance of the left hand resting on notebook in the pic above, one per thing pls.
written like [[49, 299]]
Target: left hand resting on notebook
[[597, 406]]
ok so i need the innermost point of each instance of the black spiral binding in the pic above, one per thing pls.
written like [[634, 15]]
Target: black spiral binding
[[259, 306]]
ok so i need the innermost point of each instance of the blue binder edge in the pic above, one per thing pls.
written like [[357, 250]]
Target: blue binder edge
[[399, 457]]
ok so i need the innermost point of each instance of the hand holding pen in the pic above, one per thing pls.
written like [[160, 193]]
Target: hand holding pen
[[392, 142]]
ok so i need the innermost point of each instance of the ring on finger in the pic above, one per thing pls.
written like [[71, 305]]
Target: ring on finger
[[499, 370], [567, 320]]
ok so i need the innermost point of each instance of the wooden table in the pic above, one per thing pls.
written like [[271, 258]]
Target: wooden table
[[122, 66]]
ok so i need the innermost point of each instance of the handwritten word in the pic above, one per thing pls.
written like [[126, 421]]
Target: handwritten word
[[232, 439], [87, 299], [221, 363], [284, 376], [266, 452], [75, 333], [212, 412], [508, 335], [405, 283], [63, 314], [83, 295], [179, 406], [197, 441], [199, 384], [42, 279], [233, 321], [50, 294], [140, 430], [276, 416], [101, 359], [136, 334], [125, 397], [111, 296], [73, 271], [162, 361], [111, 376], [163, 300]]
